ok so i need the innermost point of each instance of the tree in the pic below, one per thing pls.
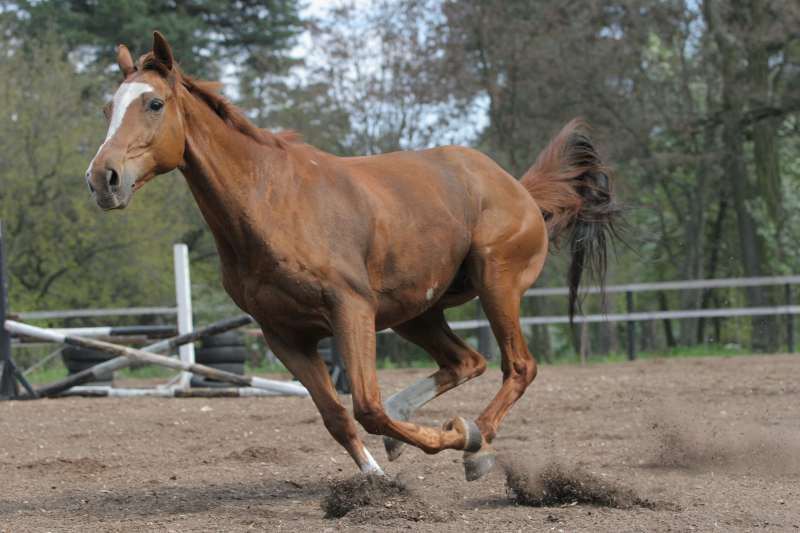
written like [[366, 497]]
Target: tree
[[247, 33], [370, 79], [750, 41]]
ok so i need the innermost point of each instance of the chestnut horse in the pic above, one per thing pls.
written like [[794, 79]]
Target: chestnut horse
[[313, 245]]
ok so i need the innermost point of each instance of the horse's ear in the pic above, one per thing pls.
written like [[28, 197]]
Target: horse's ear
[[124, 60], [162, 50]]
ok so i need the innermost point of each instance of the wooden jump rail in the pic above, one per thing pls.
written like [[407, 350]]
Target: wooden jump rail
[[127, 355]]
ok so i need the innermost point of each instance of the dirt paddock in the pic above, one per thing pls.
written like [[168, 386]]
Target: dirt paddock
[[693, 444]]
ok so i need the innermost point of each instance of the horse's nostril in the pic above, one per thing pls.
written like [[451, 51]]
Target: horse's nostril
[[112, 177]]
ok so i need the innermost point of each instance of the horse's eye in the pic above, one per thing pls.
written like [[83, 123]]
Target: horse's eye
[[155, 105]]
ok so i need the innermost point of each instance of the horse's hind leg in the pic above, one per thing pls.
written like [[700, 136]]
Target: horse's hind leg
[[307, 365], [458, 362], [502, 282]]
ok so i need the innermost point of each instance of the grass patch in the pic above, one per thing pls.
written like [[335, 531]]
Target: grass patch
[[265, 367], [700, 350], [47, 374]]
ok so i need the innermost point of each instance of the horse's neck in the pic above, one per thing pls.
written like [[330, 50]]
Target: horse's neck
[[232, 178]]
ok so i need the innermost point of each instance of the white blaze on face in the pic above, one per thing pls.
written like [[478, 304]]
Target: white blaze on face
[[124, 97]]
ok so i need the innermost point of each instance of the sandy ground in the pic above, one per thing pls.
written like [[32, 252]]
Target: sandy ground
[[713, 444]]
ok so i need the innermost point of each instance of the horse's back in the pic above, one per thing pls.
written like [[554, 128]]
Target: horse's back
[[466, 177]]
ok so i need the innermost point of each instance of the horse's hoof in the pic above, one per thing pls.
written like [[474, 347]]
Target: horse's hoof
[[468, 428], [394, 447], [478, 464]]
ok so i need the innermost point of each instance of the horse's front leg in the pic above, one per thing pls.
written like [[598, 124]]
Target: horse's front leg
[[354, 331], [304, 362]]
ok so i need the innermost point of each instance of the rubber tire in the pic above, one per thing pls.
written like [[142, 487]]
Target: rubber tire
[[233, 368], [75, 357], [75, 353], [221, 354], [203, 383], [229, 338], [77, 366], [78, 359]]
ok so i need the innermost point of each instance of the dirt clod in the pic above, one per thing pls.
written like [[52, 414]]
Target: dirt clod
[[361, 491], [372, 499], [556, 485]]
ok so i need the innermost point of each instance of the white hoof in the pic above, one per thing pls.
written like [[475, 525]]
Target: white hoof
[[371, 467]]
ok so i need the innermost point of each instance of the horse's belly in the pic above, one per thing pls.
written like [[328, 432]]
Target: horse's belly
[[408, 296]]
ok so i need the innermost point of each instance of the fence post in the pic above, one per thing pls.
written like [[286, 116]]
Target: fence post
[[631, 327], [584, 346], [789, 319], [8, 385], [183, 294]]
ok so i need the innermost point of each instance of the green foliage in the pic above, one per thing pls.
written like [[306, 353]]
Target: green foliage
[[201, 32]]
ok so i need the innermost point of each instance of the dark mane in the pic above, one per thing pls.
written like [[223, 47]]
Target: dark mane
[[209, 93]]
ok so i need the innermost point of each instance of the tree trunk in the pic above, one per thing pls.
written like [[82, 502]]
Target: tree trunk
[[752, 247], [668, 334], [713, 259]]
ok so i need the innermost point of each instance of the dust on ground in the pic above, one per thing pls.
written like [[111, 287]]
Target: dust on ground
[[665, 445], [683, 438], [554, 484]]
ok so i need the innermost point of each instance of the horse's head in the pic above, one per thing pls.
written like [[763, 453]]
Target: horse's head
[[146, 134]]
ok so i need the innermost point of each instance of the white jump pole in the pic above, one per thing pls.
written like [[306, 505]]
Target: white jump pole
[[102, 391], [183, 295]]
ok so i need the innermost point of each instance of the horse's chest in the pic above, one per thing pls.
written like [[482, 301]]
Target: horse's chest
[[278, 295]]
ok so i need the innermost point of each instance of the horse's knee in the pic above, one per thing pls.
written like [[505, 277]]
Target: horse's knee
[[372, 418], [529, 370], [523, 371]]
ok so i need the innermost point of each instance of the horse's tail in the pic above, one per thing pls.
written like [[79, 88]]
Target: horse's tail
[[571, 186]]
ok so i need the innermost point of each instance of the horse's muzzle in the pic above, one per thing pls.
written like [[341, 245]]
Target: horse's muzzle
[[108, 202], [109, 188]]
